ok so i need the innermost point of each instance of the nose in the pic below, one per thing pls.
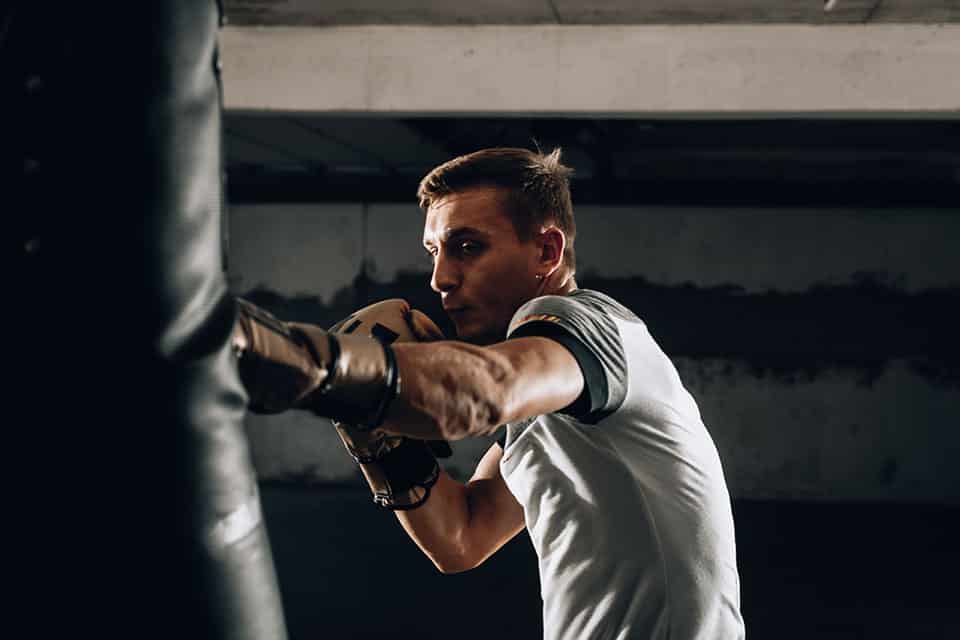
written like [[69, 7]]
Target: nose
[[446, 275]]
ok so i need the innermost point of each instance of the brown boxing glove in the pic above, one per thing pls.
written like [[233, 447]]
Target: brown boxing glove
[[399, 470], [286, 365]]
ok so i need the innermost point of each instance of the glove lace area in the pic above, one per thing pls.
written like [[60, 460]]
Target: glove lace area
[[415, 494], [399, 470]]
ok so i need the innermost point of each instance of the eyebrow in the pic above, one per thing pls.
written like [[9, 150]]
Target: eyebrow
[[458, 232]]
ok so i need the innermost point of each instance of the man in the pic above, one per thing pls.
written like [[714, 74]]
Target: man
[[604, 460]]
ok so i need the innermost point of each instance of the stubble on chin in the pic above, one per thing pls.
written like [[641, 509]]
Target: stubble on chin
[[482, 337]]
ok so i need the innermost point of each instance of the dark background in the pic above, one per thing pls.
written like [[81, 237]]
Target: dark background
[[807, 570]]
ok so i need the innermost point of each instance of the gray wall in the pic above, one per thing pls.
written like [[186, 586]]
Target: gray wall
[[819, 343]]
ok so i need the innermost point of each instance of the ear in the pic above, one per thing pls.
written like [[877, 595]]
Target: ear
[[552, 244]]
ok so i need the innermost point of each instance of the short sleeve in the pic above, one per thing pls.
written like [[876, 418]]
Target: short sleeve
[[591, 335]]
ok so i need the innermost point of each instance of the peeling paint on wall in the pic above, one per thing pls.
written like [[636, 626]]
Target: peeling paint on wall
[[859, 326], [791, 336]]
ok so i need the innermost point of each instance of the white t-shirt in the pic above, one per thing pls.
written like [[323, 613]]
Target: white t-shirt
[[623, 492]]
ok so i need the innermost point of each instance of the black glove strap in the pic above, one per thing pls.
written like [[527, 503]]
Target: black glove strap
[[392, 384], [407, 467]]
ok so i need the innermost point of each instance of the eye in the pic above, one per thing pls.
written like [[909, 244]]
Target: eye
[[470, 248]]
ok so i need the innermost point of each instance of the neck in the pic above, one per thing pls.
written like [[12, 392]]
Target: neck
[[558, 283]]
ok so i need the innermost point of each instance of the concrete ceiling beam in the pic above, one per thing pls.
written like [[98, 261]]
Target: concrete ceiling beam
[[610, 71]]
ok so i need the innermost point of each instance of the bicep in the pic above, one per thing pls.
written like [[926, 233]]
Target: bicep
[[545, 377]]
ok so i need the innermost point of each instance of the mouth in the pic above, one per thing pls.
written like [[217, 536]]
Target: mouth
[[454, 312]]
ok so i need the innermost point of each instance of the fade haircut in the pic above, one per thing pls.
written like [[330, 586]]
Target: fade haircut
[[536, 187]]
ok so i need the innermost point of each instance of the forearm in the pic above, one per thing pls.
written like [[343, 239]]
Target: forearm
[[440, 526], [452, 390], [449, 390]]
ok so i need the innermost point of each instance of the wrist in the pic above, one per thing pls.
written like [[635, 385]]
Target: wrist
[[363, 381]]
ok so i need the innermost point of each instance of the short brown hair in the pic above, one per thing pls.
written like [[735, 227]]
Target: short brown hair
[[537, 187]]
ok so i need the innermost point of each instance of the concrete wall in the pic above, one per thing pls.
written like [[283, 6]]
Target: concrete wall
[[820, 344]]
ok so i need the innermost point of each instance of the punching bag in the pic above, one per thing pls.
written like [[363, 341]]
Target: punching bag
[[134, 509]]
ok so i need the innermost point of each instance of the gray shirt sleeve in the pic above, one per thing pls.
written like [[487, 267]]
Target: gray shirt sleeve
[[582, 325]]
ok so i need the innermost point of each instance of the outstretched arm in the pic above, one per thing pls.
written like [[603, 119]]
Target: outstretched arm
[[449, 390], [452, 390]]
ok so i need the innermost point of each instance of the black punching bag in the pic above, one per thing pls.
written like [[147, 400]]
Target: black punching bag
[[132, 505]]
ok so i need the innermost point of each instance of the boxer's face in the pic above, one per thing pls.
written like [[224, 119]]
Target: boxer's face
[[481, 269]]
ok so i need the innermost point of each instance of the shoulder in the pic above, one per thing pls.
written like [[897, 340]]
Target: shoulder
[[603, 303], [586, 323], [579, 306]]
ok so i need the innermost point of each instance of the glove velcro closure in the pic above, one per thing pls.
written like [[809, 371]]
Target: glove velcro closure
[[401, 479]]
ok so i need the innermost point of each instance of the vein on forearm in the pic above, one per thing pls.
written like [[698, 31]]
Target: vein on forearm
[[453, 389]]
